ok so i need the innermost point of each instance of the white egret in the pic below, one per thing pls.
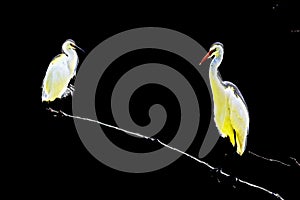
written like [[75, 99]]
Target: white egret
[[59, 73], [230, 110]]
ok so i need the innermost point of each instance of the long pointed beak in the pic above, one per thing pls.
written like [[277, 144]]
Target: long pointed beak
[[205, 58], [79, 48]]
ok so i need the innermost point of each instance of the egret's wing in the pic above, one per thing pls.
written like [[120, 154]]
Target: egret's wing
[[47, 82], [239, 117], [58, 59], [235, 90], [227, 129], [57, 78]]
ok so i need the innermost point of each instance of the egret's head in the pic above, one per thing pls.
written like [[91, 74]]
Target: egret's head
[[70, 45], [215, 50]]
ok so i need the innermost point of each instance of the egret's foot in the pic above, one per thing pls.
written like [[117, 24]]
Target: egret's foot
[[233, 181], [216, 173], [55, 112]]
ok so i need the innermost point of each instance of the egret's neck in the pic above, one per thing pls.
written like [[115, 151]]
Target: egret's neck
[[215, 63], [71, 53], [215, 80], [72, 58]]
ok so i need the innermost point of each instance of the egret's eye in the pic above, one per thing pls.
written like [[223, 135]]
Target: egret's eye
[[73, 46], [212, 51]]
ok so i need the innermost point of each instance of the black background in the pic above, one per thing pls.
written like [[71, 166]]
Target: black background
[[261, 56]]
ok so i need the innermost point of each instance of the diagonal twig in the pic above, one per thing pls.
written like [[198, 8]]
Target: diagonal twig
[[294, 159], [269, 159], [171, 148]]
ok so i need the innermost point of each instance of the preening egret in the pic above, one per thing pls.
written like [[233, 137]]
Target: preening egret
[[59, 73], [230, 110]]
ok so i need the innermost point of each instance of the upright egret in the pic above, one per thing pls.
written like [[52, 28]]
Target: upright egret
[[59, 73], [230, 110]]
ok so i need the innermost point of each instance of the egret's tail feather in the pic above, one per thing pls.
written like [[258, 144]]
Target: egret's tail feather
[[45, 96]]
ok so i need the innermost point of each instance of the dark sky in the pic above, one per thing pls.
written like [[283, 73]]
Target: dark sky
[[260, 58]]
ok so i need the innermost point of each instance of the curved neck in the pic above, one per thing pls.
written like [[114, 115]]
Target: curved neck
[[215, 79], [70, 53], [72, 59], [215, 63]]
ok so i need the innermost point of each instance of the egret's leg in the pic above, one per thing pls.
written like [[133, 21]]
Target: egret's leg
[[71, 87], [68, 92]]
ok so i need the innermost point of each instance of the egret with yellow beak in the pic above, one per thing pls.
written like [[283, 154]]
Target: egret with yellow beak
[[59, 73], [230, 110]]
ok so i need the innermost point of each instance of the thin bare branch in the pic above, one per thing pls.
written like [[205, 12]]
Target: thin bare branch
[[171, 148], [294, 159], [269, 159]]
